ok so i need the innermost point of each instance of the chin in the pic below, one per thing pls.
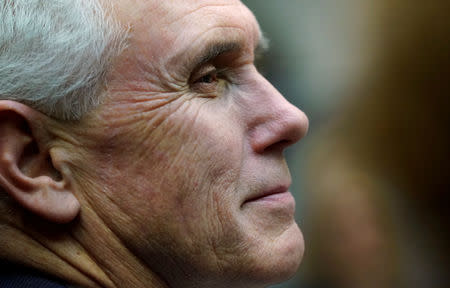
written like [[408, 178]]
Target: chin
[[280, 259]]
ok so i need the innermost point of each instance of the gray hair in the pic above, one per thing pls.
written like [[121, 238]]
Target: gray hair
[[55, 54]]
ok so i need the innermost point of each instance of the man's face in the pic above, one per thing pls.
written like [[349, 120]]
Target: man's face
[[187, 148]]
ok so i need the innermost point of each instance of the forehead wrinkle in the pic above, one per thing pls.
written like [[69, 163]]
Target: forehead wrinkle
[[247, 38], [197, 9]]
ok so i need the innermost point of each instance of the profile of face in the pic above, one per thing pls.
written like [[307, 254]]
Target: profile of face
[[184, 158]]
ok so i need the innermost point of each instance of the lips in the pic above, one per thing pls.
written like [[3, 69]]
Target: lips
[[271, 194], [277, 203]]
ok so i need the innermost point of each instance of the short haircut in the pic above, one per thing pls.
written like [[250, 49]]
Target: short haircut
[[55, 54]]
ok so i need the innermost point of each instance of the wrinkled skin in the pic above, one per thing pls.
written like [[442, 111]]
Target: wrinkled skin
[[176, 150]]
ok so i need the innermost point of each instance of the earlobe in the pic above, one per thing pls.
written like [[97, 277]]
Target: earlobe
[[26, 170]]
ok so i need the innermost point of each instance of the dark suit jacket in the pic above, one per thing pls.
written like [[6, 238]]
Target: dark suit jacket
[[15, 276]]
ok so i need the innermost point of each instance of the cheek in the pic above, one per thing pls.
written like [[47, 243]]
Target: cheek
[[207, 161], [183, 181], [205, 170], [209, 142]]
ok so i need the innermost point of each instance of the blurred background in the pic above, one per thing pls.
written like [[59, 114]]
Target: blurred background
[[372, 176]]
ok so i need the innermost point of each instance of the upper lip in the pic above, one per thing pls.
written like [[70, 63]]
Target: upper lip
[[264, 193]]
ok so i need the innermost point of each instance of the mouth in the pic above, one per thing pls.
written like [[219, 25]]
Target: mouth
[[273, 195], [277, 203]]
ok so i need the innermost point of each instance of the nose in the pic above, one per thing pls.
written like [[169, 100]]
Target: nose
[[275, 123]]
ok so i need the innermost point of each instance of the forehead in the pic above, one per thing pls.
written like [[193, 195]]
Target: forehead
[[170, 27]]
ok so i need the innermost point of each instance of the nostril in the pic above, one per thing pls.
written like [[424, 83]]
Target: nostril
[[279, 146]]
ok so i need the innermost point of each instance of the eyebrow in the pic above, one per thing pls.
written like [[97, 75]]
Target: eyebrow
[[262, 47], [214, 50], [217, 48]]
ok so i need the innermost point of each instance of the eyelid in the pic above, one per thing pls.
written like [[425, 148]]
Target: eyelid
[[209, 89], [208, 69], [201, 72]]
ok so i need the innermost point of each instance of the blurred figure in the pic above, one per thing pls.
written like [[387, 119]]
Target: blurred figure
[[379, 211], [353, 243]]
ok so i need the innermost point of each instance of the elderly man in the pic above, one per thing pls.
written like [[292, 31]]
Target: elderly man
[[140, 147]]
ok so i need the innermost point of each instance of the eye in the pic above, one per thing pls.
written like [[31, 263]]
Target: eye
[[209, 78]]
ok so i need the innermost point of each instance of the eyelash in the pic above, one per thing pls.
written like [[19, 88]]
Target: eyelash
[[209, 82], [206, 78]]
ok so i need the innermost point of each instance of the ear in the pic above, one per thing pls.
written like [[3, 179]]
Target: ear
[[27, 172]]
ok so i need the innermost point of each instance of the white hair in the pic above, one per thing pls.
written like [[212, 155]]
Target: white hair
[[55, 54]]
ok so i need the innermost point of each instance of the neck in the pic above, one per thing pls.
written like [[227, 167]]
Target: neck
[[82, 253], [120, 265]]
